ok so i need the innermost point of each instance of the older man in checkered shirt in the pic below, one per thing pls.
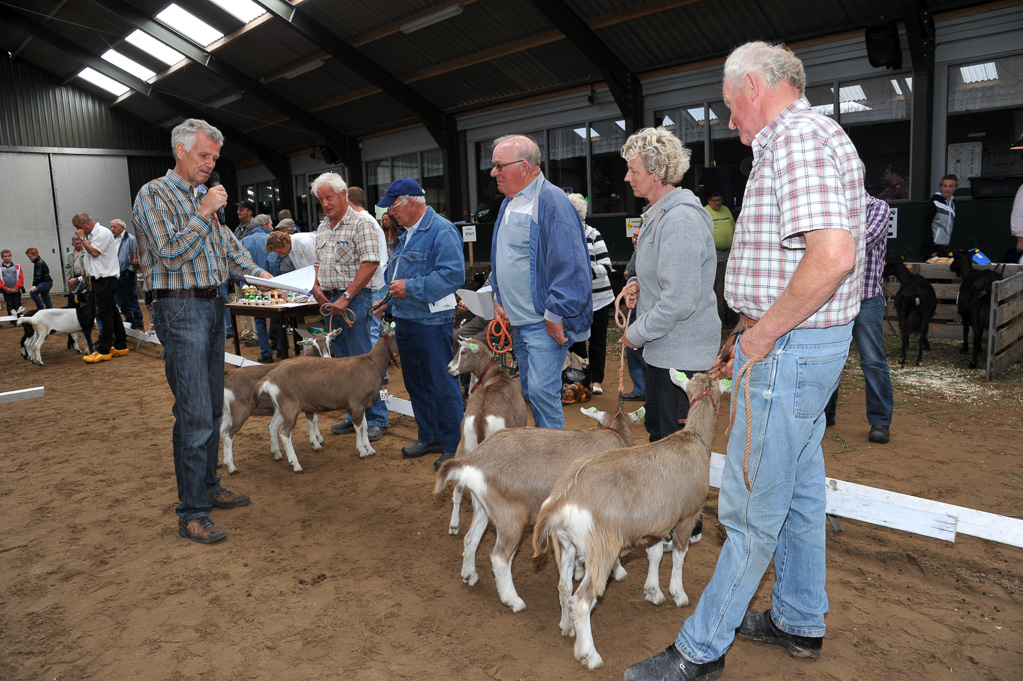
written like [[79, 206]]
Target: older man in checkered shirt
[[795, 274], [347, 257]]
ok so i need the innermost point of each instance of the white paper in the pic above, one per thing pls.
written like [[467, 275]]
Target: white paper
[[299, 281], [445, 303], [480, 303]]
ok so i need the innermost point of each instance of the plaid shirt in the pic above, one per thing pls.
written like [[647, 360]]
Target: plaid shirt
[[178, 248], [342, 248], [805, 177], [877, 246]]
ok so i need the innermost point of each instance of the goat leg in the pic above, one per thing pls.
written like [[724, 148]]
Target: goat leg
[[652, 587], [315, 439], [456, 508], [471, 542], [566, 555], [362, 436], [581, 607]]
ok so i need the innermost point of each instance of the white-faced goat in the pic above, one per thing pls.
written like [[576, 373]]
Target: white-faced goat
[[623, 498], [973, 301], [509, 476], [915, 303], [39, 324], [495, 403], [240, 401], [315, 384]]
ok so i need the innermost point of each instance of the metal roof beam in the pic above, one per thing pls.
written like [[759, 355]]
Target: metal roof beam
[[621, 81], [340, 142]]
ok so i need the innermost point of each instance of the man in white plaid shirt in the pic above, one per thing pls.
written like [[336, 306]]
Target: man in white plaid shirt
[[795, 274]]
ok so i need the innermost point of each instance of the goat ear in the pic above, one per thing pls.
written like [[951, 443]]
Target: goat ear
[[678, 377], [635, 416], [334, 334], [594, 414], [725, 385]]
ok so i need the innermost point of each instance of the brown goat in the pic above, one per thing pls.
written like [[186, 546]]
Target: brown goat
[[624, 498], [316, 384], [510, 475], [495, 403], [240, 402]]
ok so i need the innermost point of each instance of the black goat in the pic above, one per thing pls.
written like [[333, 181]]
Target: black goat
[[915, 303], [974, 300]]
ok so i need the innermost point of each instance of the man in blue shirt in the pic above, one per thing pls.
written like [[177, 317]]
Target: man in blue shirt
[[126, 295]]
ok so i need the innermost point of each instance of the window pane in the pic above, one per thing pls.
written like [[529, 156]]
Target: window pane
[[822, 99], [433, 181], [875, 113], [265, 199], [688, 123], [607, 167], [719, 115], [488, 198], [302, 197], [378, 177], [996, 84], [730, 159], [568, 157]]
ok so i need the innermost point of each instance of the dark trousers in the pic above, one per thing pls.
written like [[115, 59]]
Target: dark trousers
[[425, 351], [666, 403], [127, 299], [12, 300], [111, 332], [597, 350]]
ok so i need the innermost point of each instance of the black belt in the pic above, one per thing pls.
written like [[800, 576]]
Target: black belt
[[208, 292]]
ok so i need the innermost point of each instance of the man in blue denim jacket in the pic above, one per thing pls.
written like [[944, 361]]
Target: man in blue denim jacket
[[424, 272], [541, 274]]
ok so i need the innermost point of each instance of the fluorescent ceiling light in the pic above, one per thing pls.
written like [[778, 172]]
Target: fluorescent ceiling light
[[155, 48], [979, 73], [114, 87], [244, 10], [189, 25], [130, 65], [225, 100], [431, 19], [303, 68]]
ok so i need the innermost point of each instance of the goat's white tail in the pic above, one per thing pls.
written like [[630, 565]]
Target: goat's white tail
[[449, 470]]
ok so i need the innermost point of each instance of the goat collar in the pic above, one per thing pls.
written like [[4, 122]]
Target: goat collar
[[479, 379], [390, 352], [708, 394]]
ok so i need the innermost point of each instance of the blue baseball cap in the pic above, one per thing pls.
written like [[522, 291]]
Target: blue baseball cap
[[403, 186]]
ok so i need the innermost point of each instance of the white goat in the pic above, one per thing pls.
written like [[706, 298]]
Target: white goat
[[240, 401], [39, 324], [510, 475], [623, 498], [495, 403], [315, 384]]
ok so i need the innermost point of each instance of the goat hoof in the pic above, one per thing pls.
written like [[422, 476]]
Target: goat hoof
[[682, 600], [317, 446], [591, 660], [368, 453], [297, 469], [277, 456], [518, 605], [471, 579], [654, 596], [453, 529]]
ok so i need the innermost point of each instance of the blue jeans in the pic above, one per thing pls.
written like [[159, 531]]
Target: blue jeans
[[127, 299], [637, 365], [269, 341], [192, 333], [41, 295], [541, 360], [374, 329], [435, 394], [868, 332], [225, 294], [355, 340], [784, 515]]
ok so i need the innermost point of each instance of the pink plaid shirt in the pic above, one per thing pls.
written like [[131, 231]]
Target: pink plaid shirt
[[805, 176], [342, 248]]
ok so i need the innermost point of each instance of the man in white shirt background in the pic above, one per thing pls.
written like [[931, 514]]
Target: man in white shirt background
[[102, 266]]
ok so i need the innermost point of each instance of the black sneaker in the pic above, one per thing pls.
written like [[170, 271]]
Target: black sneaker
[[758, 626], [879, 434], [670, 665], [343, 428]]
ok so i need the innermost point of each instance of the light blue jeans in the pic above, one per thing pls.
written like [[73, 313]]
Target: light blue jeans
[[868, 332], [192, 333], [784, 515], [355, 340], [541, 360]]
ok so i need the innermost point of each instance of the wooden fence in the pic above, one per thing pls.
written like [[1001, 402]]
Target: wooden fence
[[1005, 329]]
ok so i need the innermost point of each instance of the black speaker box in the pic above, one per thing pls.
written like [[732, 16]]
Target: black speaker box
[[883, 47]]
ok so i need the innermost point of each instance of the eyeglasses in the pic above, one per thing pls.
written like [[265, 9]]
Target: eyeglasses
[[501, 166]]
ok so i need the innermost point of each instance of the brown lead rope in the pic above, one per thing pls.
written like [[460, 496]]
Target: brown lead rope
[[622, 322], [744, 373]]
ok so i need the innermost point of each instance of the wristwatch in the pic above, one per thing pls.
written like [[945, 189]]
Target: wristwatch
[[344, 294]]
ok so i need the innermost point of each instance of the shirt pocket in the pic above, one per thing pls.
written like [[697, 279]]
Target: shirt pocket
[[518, 226], [413, 264]]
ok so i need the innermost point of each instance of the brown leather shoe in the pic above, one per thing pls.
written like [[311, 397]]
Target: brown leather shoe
[[202, 530], [227, 499]]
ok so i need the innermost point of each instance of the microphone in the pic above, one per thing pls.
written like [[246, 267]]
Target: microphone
[[214, 181]]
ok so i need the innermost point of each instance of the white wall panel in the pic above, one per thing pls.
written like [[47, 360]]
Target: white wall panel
[[27, 218]]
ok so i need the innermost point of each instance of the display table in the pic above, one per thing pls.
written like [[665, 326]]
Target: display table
[[282, 312]]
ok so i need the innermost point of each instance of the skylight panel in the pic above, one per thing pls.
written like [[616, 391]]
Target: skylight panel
[[898, 88], [189, 25], [114, 87], [130, 65], [155, 48], [979, 73], [244, 10], [697, 114], [851, 93]]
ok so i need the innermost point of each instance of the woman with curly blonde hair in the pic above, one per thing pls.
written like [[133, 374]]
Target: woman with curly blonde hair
[[677, 322]]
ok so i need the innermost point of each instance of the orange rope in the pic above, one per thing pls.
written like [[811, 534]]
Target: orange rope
[[498, 329], [745, 372], [346, 315]]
